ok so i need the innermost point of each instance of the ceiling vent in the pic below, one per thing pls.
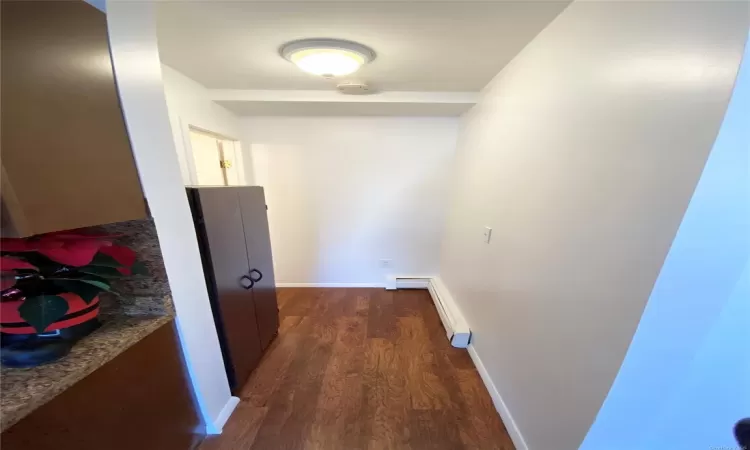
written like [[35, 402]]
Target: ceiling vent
[[354, 88]]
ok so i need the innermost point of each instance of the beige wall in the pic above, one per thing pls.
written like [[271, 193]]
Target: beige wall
[[582, 156], [135, 57], [344, 193], [189, 105]]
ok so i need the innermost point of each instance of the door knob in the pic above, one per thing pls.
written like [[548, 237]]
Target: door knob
[[256, 272], [246, 282]]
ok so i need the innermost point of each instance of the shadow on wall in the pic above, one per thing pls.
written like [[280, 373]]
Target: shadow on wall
[[583, 158], [346, 193], [685, 381]]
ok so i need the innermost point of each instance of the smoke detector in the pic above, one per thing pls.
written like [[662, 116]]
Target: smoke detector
[[354, 88]]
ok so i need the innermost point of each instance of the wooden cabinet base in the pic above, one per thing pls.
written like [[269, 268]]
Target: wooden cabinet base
[[139, 400]]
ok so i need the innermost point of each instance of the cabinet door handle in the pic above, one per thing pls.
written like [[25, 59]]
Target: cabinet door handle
[[256, 271], [243, 282]]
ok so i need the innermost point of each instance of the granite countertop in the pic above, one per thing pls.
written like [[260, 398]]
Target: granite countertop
[[145, 304], [24, 390]]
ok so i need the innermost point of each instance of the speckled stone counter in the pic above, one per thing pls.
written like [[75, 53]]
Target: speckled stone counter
[[24, 390], [145, 305], [139, 295]]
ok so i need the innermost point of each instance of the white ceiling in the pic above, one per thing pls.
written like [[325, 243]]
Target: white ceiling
[[421, 46], [247, 102], [340, 109]]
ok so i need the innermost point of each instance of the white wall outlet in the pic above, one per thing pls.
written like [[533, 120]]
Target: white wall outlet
[[487, 235], [386, 263]]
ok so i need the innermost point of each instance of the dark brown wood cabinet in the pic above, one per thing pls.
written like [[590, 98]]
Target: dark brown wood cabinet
[[260, 258], [225, 262], [65, 154], [232, 229], [139, 400]]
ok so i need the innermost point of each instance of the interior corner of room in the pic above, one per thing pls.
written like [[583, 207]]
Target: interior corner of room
[[516, 225], [351, 200]]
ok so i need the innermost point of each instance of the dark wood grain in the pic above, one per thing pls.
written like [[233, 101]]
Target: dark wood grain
[[260, 258], [337, 422], [235, 307], [362, 369], [141, 399]]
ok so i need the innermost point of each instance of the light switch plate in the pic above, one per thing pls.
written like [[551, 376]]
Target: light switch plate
[[487, 235]]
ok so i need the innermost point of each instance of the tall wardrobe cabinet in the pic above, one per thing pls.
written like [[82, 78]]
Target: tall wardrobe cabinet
[[232, 229]]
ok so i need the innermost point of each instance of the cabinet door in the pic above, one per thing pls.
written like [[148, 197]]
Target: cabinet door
[[258, 242], [222, 222], [139, 400], [66, 156]]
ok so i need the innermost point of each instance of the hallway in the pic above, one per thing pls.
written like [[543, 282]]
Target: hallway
[[362, 369]]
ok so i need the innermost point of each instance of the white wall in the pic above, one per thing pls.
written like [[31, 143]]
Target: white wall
[[685, 380], [344, 193], [582, 155], [139, 81], [189, 104]]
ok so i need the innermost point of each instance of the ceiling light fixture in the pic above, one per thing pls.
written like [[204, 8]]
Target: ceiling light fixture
[[327, 57]]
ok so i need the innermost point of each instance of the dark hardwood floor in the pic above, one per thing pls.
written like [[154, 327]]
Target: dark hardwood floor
[[362, 369]]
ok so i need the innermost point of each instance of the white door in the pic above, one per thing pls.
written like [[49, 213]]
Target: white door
[[215, 161], [229, 150]]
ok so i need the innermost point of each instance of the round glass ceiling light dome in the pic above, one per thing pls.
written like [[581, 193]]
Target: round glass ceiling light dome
[[327, 57]]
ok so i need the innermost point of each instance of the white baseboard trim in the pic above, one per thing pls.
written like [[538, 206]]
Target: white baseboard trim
[[330, 285], [218, 425], [455, 325], [391, 282], [502, 409]]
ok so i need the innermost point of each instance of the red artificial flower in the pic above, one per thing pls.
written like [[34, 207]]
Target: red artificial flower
[[7, 283], [17, 245], [71, 252], [123, 255], [9, 263], [71, 247], [76, 235]]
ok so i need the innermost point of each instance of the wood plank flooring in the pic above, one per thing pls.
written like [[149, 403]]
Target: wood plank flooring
[[362, 369]]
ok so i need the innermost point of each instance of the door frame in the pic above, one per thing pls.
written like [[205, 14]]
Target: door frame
[[185, 129]]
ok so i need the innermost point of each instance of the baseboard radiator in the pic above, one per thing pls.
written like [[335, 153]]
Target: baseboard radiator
[[456, 328]]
